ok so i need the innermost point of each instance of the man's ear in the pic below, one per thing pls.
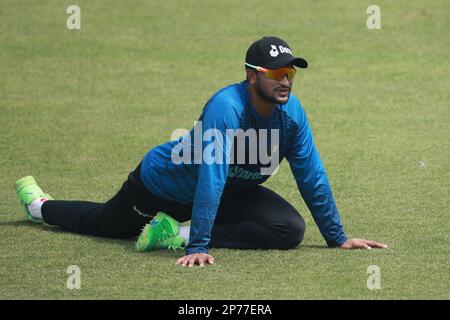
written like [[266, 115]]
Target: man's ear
[[251, 76]]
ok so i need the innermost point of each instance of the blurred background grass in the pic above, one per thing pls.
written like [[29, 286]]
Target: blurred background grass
[[80, 108]]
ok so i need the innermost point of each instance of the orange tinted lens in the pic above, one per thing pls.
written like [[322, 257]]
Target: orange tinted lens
[[278, 74]]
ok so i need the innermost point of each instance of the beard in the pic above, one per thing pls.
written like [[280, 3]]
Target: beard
[[265, 96]]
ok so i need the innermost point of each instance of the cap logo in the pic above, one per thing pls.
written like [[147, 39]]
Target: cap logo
[[285, 50], [274, 52]]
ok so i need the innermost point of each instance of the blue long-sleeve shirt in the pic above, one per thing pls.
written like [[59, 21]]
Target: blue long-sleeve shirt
[[188, 171]]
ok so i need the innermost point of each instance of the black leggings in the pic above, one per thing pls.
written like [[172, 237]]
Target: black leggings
[[256, 218]]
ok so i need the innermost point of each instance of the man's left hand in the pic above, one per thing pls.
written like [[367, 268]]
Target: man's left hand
[[362, 244]]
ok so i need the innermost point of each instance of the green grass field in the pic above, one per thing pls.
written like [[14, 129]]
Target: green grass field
[[80, 108]]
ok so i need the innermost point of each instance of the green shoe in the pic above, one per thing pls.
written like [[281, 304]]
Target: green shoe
[[27, 190], [160, 233]]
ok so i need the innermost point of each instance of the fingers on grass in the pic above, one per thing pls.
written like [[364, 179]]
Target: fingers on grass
[[192, 261], [375, 244]]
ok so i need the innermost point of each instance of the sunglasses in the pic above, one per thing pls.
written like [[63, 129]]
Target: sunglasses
[[275, 74]]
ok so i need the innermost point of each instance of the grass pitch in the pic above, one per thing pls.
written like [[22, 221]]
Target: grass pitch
[[79, 109]]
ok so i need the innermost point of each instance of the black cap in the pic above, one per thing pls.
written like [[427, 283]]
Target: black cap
[[272, 53]]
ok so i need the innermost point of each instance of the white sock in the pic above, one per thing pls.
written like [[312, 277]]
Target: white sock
[[35, 207], [184, 232]]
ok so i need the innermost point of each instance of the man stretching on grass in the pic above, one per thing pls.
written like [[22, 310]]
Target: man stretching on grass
[[213, 176]]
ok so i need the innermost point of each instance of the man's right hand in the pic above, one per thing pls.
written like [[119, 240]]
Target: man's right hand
[[362, 244], [196, 258]]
